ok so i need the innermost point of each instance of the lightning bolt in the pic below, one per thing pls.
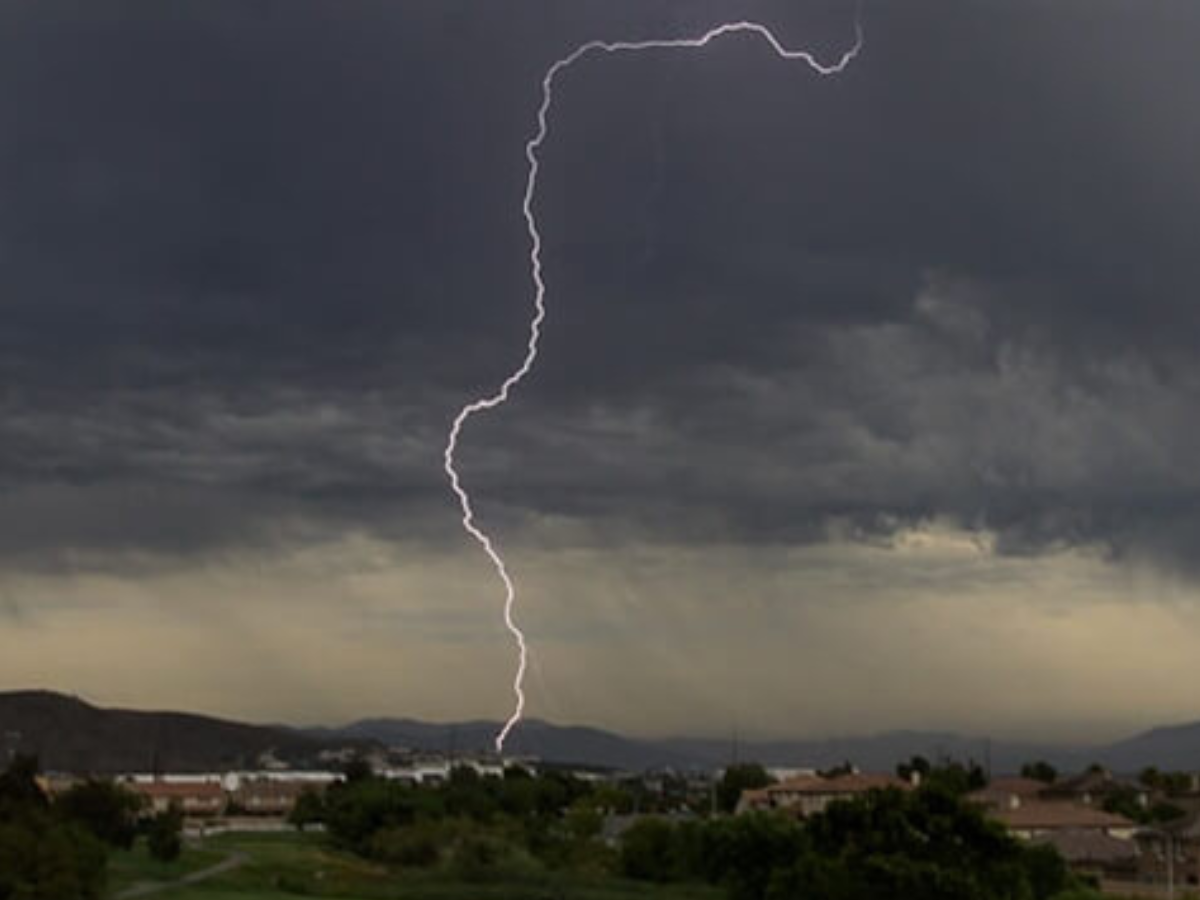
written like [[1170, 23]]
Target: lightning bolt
[[501, 395]]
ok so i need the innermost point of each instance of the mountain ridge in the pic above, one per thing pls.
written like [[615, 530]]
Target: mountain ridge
[[70, 734]]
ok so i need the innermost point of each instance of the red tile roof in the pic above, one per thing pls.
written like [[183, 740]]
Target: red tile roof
[[206, 790]]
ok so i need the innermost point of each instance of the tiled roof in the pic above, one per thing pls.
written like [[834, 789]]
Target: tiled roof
[[1002, 791], [753, 795], [286, 789], [1078, 846], [174, 789], [854, 783], [1061, 814]]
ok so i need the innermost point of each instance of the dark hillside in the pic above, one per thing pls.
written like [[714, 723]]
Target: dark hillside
[[70, 735]]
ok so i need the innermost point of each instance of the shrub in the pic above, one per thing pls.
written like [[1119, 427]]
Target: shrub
[[104, 808], [418, 845], [646, 850], [165, 835], [482, 856]]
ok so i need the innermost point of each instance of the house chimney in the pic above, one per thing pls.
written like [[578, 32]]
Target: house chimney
[[1014, 801], [914, 778]]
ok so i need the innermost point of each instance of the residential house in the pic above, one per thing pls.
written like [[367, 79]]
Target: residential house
[[197, 799], [807, 795], [1171, 852], [1095, 853], [1000, 792], [268, 796], [1032, 817], [1096, 786]]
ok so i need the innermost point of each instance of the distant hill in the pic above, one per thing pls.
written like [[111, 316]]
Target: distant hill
[[553, 743], [603, 748], [1175, 747], [881, 752], [70, 735]]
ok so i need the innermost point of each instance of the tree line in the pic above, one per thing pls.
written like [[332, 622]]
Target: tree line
[[57, 849], [887, 845]]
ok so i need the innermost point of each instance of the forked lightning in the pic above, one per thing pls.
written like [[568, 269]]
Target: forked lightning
[[501, 395]]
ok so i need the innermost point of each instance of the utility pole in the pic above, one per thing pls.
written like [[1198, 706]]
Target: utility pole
[[1170, 865]]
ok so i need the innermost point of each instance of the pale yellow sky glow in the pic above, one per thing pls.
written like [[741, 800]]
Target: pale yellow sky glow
[[929, 630]]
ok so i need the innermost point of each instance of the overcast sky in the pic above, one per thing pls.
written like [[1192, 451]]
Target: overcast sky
[[864, 402]]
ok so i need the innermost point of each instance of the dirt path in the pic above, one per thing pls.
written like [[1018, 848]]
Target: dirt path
[[228, 864]]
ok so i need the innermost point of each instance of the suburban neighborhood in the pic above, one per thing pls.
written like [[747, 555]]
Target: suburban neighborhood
[[1126, 834]]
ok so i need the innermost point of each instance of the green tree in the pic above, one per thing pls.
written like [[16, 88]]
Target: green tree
[[106, 809], [646, 850], [19, 788], [43, 857], [1045, 869], [744, 853], [917, 765], [956, 778], [1040, 770], [844, 768], [517, 795], [894, 845], [1164, 811], [737, 778], [356, 810], [418, 845], [165, 835], [467, 795], [309, 809], [357, 769], [1175, 784], [1126, 801], [583, 821]]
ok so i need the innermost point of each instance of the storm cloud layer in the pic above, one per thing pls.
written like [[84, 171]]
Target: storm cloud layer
[[254, 255]]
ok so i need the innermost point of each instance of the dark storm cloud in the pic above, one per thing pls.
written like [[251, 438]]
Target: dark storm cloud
[[253, 255]]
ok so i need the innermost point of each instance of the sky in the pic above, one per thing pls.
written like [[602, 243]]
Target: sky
[[864, 403]]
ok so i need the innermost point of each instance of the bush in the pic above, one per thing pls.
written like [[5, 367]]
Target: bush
[[355, 811], [745, 853], [482, 856], [104, 808], [739, 778], [647, 850], [418, 845], [309, 809], [165, 835], [43, 857]]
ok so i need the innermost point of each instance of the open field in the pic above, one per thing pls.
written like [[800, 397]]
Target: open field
[[280, 866], [286, 866], [127, 869]]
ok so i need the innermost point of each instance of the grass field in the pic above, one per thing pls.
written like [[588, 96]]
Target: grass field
[[128, 868], [287, 866], [283, 866]]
